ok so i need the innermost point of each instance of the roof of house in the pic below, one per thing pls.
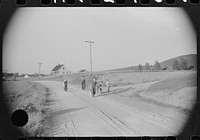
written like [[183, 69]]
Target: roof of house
[[83, 70], [26, 75], [57, 67]]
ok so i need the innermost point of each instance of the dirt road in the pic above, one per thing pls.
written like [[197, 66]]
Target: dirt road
[[77, 113]]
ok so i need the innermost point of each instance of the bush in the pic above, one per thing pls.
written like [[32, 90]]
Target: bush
[[139, 67], [190, 68], [157, 66], [147, 66], [175, 65], [183, 64]]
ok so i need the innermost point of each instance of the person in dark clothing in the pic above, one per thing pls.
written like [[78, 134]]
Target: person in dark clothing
[[83, 83], [65, 85], [100, 86], [94, 84]]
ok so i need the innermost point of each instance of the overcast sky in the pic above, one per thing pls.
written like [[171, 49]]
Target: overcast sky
[[123, 37]]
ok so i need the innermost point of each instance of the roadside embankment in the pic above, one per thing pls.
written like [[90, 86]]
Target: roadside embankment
[[29, 96]]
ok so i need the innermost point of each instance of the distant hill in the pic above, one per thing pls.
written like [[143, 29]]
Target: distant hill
[[191, 61]]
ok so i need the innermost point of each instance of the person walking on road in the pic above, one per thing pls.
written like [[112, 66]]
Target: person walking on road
[[108, 86], [100, 86], [94, 84], [65, 85], [83, 84]]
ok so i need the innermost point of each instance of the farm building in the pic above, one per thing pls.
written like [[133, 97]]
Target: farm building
[[26, 76], [59, 70], [83, 70]]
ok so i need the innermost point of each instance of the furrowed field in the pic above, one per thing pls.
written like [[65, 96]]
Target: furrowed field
[[29, 96]]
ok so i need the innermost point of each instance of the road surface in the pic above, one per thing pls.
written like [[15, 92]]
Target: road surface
[[77, 113]]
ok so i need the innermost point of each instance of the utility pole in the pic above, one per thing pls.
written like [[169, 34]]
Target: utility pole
[[39, 67], [90, 42]]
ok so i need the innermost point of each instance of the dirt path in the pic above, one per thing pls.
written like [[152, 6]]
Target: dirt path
[[76, 113]]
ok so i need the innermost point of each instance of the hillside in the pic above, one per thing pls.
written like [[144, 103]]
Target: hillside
[[191, 61]]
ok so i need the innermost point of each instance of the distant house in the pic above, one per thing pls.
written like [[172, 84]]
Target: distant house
[[26, 76], [35, 75], [164, 68], [83, 70], [59, 70]]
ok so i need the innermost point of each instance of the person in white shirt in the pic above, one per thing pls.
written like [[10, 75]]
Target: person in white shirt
[[108, 86], [94, 85]]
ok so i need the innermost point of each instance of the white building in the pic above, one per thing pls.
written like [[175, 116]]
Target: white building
[[26, 76], [59, 70]]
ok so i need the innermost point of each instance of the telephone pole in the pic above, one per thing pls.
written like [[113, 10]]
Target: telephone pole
[[90, 42], [39, 67]]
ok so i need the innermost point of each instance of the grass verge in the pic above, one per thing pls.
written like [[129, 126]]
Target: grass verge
[[29, 96]]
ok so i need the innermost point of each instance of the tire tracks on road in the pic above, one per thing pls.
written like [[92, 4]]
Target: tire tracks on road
[[106, 117]]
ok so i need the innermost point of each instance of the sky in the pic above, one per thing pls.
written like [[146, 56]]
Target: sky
[[123, 36]]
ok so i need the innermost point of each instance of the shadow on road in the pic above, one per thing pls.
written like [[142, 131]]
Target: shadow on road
[[65, 111], [116, 91], [50, 102]]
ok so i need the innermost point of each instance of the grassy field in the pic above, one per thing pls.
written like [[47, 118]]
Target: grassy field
[[117, 78], [167, 88], [30, 97], [177, 89], [172, 89]]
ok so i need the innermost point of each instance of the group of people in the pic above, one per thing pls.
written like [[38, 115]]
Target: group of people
[[83, 83], [96, 86]]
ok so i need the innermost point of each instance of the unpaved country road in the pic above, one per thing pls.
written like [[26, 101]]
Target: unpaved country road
[[76, 113]]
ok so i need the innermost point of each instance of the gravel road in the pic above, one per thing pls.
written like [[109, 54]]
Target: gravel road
[[77, 113]]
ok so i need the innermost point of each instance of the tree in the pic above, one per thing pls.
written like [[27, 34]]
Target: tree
[[16, 74], [183, 64], [157, 66], [140, 67], [152, 68], [175, 65], [147, 66]]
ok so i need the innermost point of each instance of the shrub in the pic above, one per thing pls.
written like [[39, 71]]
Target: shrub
[[175, 65], [139, 67], [190, 68], [157, 66], [147, 66], [183, 64]]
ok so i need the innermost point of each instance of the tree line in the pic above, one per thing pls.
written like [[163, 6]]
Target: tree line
[[147, 66], [176, 65]]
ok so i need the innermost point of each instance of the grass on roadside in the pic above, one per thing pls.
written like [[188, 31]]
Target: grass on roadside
[[29, 96]]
